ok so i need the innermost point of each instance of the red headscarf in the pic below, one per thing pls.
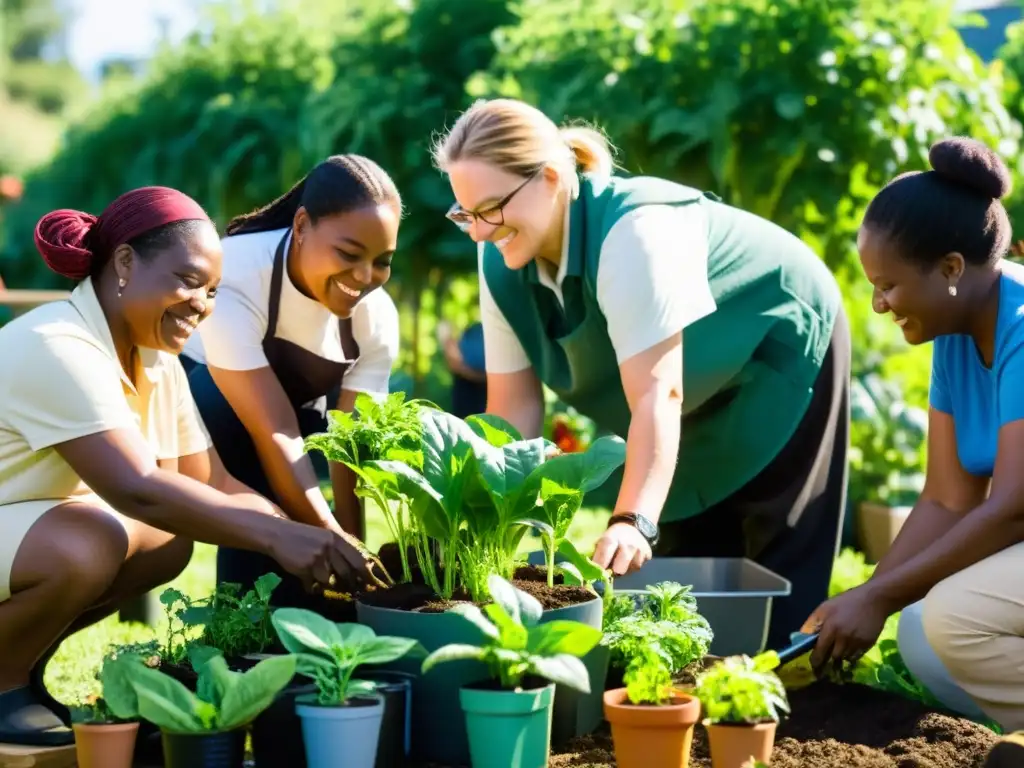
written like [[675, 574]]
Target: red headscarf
[[70, 241]]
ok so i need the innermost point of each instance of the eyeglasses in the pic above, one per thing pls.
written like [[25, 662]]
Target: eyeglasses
[[494, 215]]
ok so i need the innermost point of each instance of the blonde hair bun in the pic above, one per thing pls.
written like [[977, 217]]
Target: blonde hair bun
[[591, 149]]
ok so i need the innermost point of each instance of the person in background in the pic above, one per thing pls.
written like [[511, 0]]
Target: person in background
[[712, 340], [302, 326], [107, 475], [465, 360], [932, 244]]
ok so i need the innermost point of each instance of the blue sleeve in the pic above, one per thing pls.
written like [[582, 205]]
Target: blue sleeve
[[938, 393], [1011, 388], [471, 346]]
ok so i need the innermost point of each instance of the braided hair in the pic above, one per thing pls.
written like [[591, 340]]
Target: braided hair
[[339, 184]]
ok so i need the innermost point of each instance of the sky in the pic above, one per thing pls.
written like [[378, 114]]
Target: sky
[[110, 28]]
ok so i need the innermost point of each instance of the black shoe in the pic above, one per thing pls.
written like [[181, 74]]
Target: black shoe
[[27, 721], [1007, 753], [39, 687]]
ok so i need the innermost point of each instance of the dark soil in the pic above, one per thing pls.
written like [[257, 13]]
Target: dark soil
[[837, 727], [530, 579]]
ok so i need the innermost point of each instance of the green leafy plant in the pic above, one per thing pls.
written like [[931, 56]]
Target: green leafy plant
[[648, 678], [389, 429], [515, 645], [235, 624], [330, 653], [663, 622], [117, 701], [743, 690], [480, 487], [223, 701]]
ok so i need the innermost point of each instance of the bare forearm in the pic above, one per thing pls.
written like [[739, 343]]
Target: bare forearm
[[182, 506], [527, 415], [652, 450], [291, 475], [347, 510], [246, 495], [926, 524], [977, 535]]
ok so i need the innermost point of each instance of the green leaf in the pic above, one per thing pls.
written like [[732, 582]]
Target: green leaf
[[512, 635], [452, 652], [354, 636], [118, 691], [562, 637], [587, 568], [215, 679], [494, 429], [384, 649], [255, 690], [476, 617], [265, 586], [305, 631], [521, 607], [164, 701], [564, 669]]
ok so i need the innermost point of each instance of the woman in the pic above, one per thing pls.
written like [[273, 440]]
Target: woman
[[589, 282], [106, 472], [301, 328], [932, 244]]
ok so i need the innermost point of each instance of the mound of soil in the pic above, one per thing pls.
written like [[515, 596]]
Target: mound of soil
[[530, 579], [835, 726]]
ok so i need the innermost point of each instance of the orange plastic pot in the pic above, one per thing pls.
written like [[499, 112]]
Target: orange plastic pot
[[105, 745], [734, 744], [651, 736]]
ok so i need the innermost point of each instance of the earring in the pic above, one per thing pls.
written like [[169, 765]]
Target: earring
[[120, 285], [952, 290]]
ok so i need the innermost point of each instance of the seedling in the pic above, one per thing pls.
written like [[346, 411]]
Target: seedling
[[117, 702], [330, 653], [743, 690], [665, 623], [515, 645]]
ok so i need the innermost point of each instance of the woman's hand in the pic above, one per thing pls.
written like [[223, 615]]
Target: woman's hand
[[622, 548], [321, 558], [848, 626]]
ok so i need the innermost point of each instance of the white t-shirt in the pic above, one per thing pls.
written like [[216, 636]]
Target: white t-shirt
[[652, 282], [232, 336]]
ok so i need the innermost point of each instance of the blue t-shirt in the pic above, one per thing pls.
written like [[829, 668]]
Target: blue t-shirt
[[471, 346], [980, 399]]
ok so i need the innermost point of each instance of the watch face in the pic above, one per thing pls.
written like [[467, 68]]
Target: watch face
[[646, 527]]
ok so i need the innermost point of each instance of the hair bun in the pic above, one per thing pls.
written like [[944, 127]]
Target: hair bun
[[972, 164], [60, 238]]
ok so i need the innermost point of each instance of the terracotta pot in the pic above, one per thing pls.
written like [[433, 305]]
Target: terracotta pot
[[105, 745], [734, 744], [878, 526], [651, 736]]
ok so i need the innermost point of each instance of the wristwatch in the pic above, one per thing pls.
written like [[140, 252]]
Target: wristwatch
[[647, 528]]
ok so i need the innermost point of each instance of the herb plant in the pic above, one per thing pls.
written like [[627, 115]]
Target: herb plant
[[377, 431], [648, 678], [224, 700], [664, 621], [515, 645], [117, 701], [743, 690], [330, 653]]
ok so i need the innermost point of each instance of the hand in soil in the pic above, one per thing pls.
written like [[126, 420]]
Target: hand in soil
[[622, 548], [848, 625], [320, 558]]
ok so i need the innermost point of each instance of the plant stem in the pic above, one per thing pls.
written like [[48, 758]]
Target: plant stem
[[550, 542]]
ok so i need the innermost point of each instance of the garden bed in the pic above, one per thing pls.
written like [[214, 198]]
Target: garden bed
[[849, 726]]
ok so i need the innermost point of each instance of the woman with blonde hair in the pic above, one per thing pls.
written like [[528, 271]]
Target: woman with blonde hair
[[589, 281]]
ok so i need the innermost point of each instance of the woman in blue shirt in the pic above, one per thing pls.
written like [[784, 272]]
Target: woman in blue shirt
[[932, 244]]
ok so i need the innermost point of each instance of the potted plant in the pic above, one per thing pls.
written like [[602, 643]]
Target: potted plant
[[106, 725], [743, 700], [207, 728], [508, 716], [473, 489], [345, 714], [652, 722], [887, 445]]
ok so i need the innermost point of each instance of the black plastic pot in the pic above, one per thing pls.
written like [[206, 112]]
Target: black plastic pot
[[396, 728], [204, 750], [277, 731]]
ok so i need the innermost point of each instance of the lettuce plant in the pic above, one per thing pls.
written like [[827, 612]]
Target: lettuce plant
[[515, 645], [743, 690], [480, 487]]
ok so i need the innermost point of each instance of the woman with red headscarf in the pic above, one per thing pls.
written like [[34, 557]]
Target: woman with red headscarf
[[107, 473]]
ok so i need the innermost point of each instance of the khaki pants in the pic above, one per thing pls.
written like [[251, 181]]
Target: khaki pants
[[974, 624]]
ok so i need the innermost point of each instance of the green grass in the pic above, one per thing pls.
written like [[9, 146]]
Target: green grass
[[70, 676]]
